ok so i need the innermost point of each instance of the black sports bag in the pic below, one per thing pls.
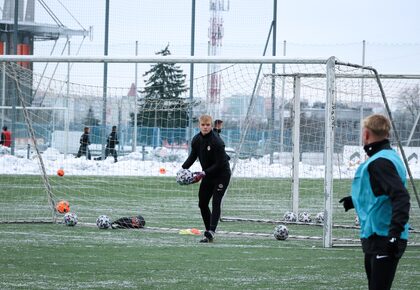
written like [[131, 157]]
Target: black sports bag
[[134, 222]]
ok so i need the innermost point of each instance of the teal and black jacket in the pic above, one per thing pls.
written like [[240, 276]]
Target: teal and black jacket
[[379, 194]]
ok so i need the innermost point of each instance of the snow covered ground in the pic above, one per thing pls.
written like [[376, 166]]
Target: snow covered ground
[[170, 160]]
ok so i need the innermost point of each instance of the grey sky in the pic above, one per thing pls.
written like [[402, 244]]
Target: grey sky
[[311, 28]]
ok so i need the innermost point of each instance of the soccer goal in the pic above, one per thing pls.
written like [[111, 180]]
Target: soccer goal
[[291, 127], [309, 152]]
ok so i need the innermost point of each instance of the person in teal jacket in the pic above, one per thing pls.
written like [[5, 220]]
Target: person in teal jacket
[[382, 203]]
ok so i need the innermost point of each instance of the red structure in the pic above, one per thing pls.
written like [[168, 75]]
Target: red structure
[[216, 33]]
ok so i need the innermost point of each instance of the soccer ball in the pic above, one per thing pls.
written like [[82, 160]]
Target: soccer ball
[[184, 177], [103, 222], [281, 232], [63, 206], [70, 219], [60, 172], [289, 217], [305, 217], [320, 217]]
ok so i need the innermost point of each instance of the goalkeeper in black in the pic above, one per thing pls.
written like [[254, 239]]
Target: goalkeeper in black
[[382, 204], [209, 148]]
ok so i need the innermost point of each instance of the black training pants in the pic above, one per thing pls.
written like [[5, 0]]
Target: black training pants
[[216, 188], [83, 150], [111, 151], [380, 271]]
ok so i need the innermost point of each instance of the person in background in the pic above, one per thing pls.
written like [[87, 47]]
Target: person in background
[[215, 174], [218, 124], [84, 144], [110, 144], [6, 137], [382, 203]]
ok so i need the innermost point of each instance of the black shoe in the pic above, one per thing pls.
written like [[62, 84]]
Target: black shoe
[[209, 235], [206, 240]]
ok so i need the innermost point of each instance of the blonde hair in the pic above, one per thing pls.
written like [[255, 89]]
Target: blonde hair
[[205, 118], [378, 124]]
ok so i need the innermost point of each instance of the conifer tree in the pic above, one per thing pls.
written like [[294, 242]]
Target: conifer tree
[[161, 102], [90, 119]]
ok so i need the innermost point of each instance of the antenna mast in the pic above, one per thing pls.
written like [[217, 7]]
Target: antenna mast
[[216, 33]]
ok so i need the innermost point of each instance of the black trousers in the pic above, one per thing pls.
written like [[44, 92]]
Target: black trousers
[[108, 151], [212, 188], [380, 271], [111, 151], [83, 150]]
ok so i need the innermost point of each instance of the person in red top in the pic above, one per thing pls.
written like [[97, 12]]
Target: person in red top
[[6, 137]]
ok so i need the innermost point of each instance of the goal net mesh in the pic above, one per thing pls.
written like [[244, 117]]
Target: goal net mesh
[[277, 156]]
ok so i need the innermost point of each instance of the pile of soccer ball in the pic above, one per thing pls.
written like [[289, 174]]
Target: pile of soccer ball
[[102, 222], [304, 217], [63, 206], [70, 219]]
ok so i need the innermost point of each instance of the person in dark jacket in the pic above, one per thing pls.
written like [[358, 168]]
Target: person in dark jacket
[[382, 203], [84, 144], [6, 137], [209, 148], [218, 125], [110, 144]]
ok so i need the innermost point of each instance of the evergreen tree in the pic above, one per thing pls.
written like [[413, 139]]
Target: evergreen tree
[[161, 104], [90, 119]]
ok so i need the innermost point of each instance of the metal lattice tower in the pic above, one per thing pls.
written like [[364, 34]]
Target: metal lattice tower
[[214, 47]]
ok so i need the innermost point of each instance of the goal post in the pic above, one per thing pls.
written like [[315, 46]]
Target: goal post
[[293, 139], [330, 119]]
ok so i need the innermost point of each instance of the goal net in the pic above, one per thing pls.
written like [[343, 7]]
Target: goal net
[[293, 135], [286, 152]]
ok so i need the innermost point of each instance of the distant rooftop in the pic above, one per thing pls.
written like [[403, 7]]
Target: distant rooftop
[[45, 31]]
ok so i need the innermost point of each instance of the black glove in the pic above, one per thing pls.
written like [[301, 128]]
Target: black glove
[[347, 202], [392, 246]]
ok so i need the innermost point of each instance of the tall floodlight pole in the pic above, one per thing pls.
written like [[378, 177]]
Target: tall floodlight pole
[[190, 111], [215, 43], [105, 82]]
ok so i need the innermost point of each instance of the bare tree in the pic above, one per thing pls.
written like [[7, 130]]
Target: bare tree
[[409, 101]]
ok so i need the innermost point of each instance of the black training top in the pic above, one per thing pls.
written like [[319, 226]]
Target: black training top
[[210, 151], [112, 140], [84, 139]]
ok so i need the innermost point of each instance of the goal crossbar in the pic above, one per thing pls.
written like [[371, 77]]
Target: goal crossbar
[[161, 59]]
